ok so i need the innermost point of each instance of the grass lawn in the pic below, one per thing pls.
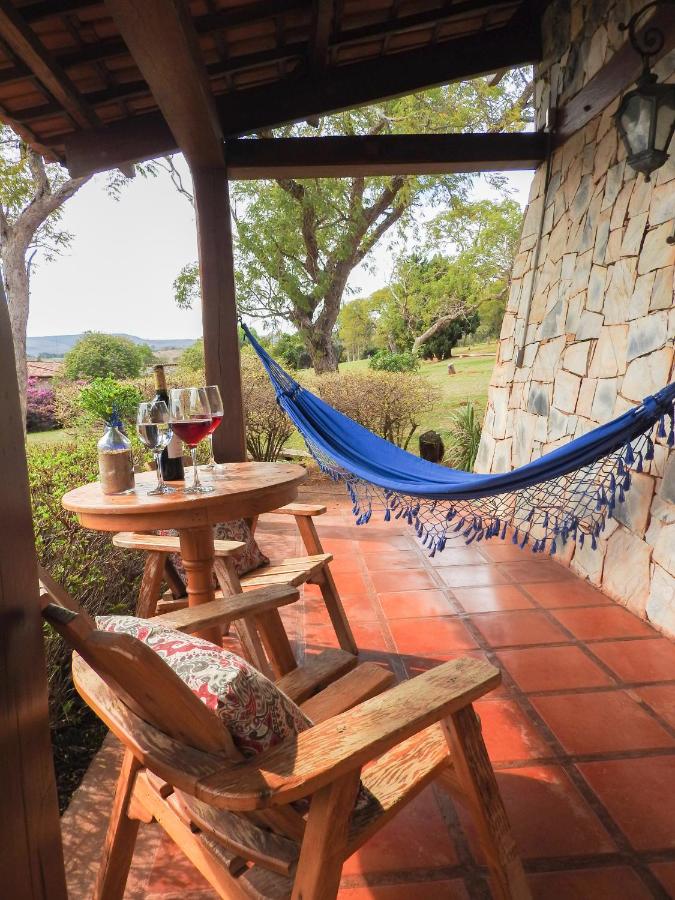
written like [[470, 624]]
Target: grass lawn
[[57, 436], [473, 367]]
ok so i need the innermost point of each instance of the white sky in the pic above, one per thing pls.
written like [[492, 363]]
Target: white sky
[[117, 275]]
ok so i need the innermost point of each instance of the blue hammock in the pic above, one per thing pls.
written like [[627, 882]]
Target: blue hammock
[[566, 494]]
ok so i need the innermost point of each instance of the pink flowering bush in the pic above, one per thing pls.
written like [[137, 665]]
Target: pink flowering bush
[[40, 407]]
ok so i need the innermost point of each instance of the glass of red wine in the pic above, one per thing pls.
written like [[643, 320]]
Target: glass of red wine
[[191, 421], [216, 404]]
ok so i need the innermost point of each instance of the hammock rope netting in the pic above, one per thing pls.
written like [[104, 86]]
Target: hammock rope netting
[[567, 494]]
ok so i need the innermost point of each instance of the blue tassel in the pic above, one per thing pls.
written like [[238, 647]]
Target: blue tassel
[[671, 434], [529, 515], [479, 536], [626, 480], [459, 525], [594, 543], [503, 534], [554, 548], [535, 547], [661, 432], [620, 469], [639, 463], [628, 455], [622, 496], [514, 539], [399, 513], [524, 540], [581, 539], [450, 515], [470, 540], [433, 552], [649, 455], [387, 515], [441, 543], [545, 522]]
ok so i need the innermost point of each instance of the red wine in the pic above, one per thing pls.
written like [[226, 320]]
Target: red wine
[[215, 422], [192, 431], [171, 460]]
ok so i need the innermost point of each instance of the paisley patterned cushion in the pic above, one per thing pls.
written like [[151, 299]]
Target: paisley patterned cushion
[[257, 714], [246, 560]]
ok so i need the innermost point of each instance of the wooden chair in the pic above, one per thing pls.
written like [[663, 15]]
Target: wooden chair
[[313, 569], [239, 821]]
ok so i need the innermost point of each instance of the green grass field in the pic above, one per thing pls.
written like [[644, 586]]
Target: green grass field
[[57, 436]]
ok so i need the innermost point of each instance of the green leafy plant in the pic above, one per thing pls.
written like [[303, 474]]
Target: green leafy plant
[[103, 395], [464, 439], [97, 355], [385, 361]]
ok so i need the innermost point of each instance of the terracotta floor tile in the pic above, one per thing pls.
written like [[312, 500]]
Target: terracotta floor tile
[[560, 594], [457, 556], [368, 636], [430, 635], [350, 582], [661, 698], [601, 722], [552, 669], [493, 598], [369, 543], [391, 561], [665, 872], [417, 664], [639, 660], [635, 791], [536, 570], [415, 604], [417, 838], [600, 622], [548, 815], [423, 890], [505, 551], [509, 733], [473, 576], [346, 564], [402, 580], [360, 607], [513, 628], [612, 883]]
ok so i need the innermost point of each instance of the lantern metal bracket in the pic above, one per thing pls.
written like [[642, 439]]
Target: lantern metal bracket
[[648, 41]]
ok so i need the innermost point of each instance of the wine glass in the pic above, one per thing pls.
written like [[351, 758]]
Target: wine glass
[[191, 421], [154, 429], [216, 404]]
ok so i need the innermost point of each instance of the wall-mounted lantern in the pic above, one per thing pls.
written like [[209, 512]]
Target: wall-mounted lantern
[[646, 117]]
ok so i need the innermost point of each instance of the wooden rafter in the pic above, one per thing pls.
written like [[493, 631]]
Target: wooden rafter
[[161, 38], [420, 154], [23, 42], [319, 44], [340, 87]]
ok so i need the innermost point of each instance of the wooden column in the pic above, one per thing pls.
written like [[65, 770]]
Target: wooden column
[[219, 310], [31, 858]]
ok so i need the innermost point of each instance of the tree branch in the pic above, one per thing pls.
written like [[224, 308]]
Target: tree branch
[[455, 313]]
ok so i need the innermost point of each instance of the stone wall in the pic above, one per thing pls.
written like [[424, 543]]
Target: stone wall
[[599, 334]]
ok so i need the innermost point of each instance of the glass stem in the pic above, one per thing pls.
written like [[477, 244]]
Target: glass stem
[[158, 464], [196, 483]]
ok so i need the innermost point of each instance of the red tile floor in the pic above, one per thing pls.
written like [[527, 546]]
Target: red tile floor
[[581, 732]]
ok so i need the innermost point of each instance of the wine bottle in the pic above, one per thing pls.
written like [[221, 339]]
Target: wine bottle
[[171, 460]]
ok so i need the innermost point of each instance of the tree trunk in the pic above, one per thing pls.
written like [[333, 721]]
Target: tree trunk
[[17, 291], [322, 350]]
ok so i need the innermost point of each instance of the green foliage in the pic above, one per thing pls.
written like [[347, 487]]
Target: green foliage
[[192, 358], [98, 355], [391, 404], [297, 241], [291, 351], [385, 361], [464, 439], [267, 426], [102, 395], [147, 355], [356, 328]]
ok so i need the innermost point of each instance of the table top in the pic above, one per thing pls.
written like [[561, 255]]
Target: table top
[[243, 489]]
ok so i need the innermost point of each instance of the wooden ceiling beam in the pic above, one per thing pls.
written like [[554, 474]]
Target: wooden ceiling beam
[[161, 38], [399, 154], [319, 48], [294, 99], [26, 46]]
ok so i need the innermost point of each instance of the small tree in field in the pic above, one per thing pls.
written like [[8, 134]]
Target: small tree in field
[[97, 355]]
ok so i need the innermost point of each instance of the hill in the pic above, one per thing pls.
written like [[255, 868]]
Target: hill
[[60, 344]]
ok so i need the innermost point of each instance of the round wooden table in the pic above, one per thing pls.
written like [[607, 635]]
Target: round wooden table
[[243, 490]]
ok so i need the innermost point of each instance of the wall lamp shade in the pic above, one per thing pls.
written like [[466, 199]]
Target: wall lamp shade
[[646, 121]]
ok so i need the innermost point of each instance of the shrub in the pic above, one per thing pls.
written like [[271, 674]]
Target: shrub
[[392, 404], [465, 429], [97, 355], [41, 412], [267, 425], [98, 575], [101, 396], [386, 361]]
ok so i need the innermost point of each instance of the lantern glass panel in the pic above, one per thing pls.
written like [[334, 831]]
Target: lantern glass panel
[[636, 119], [665, 120]]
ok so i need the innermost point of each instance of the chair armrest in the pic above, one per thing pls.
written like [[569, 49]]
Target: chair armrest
[[162, 543], [300, 509], [228, 609], [302, 765]]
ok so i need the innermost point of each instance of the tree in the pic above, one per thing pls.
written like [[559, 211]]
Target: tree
[[298, 241], [290, 349], [32, 194], [98, 355], [356, 328]]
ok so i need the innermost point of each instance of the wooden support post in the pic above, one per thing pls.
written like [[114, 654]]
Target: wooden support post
[[219, 311], [31, 860]]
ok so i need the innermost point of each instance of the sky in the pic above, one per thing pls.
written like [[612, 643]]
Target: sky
[[118, 272]]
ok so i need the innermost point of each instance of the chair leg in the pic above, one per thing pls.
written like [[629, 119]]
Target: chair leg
[[327, 586], [477, 779], [324, 846], [120, 839], [151, 584]]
